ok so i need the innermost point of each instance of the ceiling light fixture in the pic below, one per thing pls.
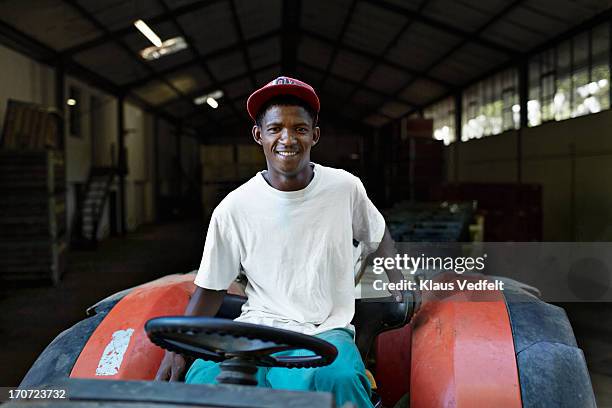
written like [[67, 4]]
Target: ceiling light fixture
[[71, 102], [210, 98], [168, 47], [212, 102], [147, 32]]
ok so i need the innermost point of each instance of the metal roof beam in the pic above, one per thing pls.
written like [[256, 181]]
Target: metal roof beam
[[386, 50], [338, 42], [355, 83], [291, 13], [242, 42], [375, 57], [117, 34], [38, 51], [197, 55], [432, 22], [457, 47], [223, 83], [603, 17], [204, 57], [94, 21]]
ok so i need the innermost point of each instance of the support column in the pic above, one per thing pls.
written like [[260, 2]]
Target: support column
[[156, 180], [458, 127], [523, 86], [121, 162], [291, 12], [60, 101], [179, 159]]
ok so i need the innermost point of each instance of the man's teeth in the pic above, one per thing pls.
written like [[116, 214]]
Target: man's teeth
[[287, 153]]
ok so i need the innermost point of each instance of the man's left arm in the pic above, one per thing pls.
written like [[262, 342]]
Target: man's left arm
[[386, 249], [368, 226]]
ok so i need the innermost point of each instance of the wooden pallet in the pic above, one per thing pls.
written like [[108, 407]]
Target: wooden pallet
[[32, 215], [29, 260], [25, 215], [32, 170], [31, 126]]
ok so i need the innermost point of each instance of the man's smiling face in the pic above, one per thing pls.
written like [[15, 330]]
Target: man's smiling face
[[286, 133]]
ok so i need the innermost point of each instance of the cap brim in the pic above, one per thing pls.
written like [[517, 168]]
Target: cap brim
[[261, 96]]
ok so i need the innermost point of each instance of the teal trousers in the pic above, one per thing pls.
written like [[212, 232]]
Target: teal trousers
[[345, 378]]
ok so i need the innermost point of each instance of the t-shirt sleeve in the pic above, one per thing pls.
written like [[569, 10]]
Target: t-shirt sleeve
[[368, 222], [220, 263]]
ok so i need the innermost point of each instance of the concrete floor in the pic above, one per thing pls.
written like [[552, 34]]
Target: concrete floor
[[32, 317]]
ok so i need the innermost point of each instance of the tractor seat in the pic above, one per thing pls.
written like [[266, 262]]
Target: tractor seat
[[372, 316]]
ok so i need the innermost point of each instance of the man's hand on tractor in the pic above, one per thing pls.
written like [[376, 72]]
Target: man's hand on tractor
[[172, 367], [203, 302]]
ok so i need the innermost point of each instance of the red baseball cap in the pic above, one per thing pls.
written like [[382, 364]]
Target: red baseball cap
[[282, 86]]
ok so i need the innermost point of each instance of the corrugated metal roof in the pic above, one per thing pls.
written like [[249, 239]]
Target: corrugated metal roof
[[51, 22], [238, 88], [156, 93], [227, 66], [325, 17], [458, 13], [265, 53], [422, 91], [372, 28], [350, 65], [123, 69], [258, 16], [211, 27], [115, 14], [315, 52], [190, 79], [387, 79], [395, 109], [366, 57]]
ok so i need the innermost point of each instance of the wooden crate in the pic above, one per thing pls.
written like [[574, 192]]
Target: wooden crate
[[31, 126], [32, 170], [29, 260], [32, 215]]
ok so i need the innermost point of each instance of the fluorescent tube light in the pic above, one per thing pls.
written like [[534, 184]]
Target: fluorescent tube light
[[212, 103], [147, 32]]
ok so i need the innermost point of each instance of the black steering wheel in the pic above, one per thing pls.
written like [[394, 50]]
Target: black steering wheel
[[217, 339]]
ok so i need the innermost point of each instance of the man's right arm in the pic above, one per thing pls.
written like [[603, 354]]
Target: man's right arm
[[203, 302]]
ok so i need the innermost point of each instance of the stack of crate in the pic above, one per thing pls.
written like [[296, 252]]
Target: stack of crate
[[414, 161], [225, 167], [511, 211], [32, 215]]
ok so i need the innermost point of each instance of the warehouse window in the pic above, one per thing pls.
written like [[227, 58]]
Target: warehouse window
[[443, 115], [571, 79], [491, 106]]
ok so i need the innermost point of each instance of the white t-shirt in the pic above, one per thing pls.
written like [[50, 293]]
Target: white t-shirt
[[295, 247]]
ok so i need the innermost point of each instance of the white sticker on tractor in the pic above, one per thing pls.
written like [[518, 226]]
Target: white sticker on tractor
[[112, 357]]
